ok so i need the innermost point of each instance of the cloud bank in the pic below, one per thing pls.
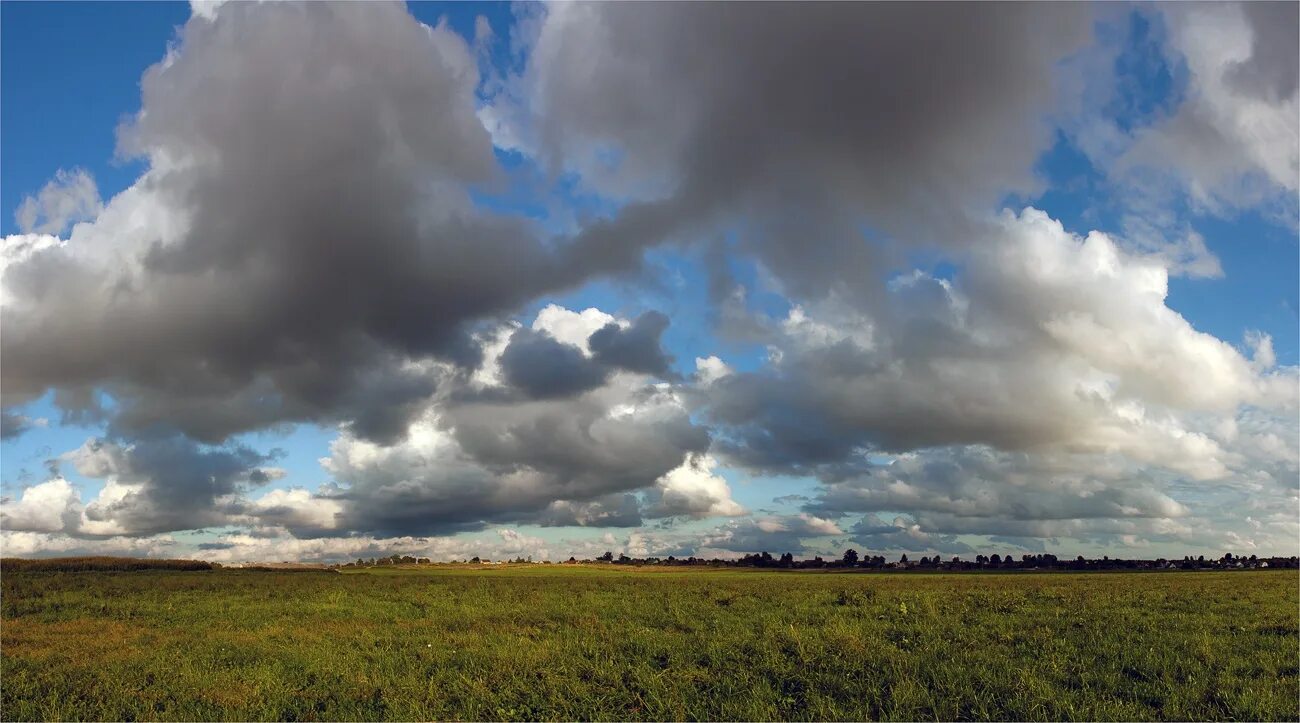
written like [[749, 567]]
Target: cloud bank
[[325, 235]]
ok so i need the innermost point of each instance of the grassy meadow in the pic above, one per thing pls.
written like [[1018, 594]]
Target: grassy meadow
[[612, 643]]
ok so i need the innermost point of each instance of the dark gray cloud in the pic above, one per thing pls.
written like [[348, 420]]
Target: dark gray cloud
[[1273, 70], [877, 535], [12, 424], [636, 348], [543, 367], [304, 230], [494, 459], [980, 482], [804, 124], [164, 484]]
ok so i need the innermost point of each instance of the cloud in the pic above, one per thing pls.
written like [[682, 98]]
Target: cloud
[[1234, 140], [635, 348], [315, 239], [302, 244], [51, 506], [779, 533], [70, 197], [903, 534], [543, 367], [38, 544], [980, 482], [164, 485], [584, 436], [795, 123], [1042, 340], [13, 424], [693, 490]]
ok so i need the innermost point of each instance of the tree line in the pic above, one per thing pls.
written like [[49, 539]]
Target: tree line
[[1044, 561]]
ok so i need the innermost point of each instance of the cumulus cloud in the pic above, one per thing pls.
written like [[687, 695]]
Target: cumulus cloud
[[693, 490], [51, 506], [153, 486], [304, 231], [1043, 339], [560, 454]]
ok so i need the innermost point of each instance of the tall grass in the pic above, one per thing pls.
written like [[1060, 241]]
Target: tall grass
[[101, 564], [604, 643]]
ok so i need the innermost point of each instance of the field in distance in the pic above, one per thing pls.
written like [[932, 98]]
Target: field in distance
[[608, 643]]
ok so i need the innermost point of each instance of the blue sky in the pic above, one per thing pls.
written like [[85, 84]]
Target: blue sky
[[738, 280]]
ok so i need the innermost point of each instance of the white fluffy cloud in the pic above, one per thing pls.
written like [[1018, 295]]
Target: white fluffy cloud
[[693, 490], [485, 454], [71, 196], [1043, 339], [51, 506]]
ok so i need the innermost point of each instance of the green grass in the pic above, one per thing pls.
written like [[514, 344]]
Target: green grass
[[560, 642]]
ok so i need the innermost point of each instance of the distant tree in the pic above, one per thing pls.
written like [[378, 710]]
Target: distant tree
[[902, 560], [996, 559], [787, 560], [476, 560], [850, 557], [607, 557]]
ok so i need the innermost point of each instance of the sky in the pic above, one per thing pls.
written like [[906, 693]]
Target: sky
[[333, 281]]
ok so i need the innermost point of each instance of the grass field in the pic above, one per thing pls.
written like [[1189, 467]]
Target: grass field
[[559, 642]]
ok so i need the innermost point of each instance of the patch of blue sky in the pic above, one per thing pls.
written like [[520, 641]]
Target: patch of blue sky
[[1259, 289], [463, 18], [297, 449], [1147, 85], [71, 72], [1256, 291], [770, 494], [1075, 193], [25, 459]]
